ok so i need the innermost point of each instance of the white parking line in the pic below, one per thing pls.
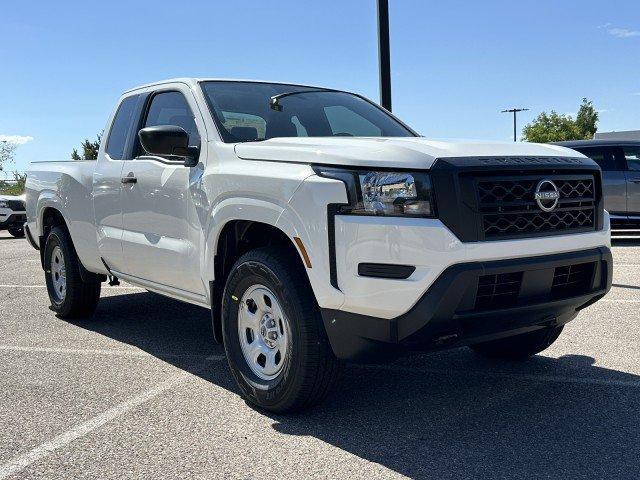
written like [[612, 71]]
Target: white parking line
[[20, 462], [102, 351]]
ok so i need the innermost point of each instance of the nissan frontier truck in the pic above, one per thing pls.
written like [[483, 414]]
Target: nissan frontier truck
[[319, 228]]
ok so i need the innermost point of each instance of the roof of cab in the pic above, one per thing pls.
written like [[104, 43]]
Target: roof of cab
[[193, 81]]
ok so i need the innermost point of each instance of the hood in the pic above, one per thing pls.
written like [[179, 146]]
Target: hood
[[398, 152], [22, 197]]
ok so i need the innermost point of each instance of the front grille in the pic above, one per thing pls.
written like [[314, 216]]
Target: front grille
[[508, 207], [16, 205], [533, 222], [498, 291], [572, 280]]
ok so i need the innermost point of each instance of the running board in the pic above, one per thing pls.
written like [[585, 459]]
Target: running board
[[175, 293]]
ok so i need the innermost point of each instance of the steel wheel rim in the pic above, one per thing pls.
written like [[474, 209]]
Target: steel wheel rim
[[58, 274], [264, 332]]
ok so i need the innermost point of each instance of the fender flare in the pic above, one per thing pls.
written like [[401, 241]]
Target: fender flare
[[237, 208], [49, 200]]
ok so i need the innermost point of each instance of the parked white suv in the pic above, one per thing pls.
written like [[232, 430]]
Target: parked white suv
[[317, 227], [13, 214]]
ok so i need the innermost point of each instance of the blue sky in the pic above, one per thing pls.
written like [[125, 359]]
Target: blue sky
[[455, 64]]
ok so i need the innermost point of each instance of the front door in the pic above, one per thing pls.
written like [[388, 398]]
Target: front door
[[158, 243], [632, 160], [614, 182]]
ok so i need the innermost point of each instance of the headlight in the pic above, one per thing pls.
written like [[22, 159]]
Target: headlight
[[399, 194], [3, 204]]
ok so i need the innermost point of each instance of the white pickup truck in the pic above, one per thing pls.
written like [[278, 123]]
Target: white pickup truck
[[318, 227]]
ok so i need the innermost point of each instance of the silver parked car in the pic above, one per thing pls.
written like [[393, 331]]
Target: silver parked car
[[620, 164]]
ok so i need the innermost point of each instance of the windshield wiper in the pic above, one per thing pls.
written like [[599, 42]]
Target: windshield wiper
[[274, 102]]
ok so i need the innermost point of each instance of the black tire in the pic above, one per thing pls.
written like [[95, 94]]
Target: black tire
[[520, 346], [80, 298], [17, 232], [310, 369]]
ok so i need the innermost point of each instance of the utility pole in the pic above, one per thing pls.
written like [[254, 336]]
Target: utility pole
[[514, 111], [383, 54]]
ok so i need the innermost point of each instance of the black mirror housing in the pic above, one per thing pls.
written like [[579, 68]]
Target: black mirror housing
[[169, 140]]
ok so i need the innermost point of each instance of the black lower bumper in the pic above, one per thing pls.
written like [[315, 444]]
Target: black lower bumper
[[479, 301], [15, 220]]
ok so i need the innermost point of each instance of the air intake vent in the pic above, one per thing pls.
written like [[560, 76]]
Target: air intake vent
[[16, 205], [572, 280], [498, 291]]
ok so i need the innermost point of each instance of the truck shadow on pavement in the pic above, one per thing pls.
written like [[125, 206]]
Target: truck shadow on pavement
[[445, 415]]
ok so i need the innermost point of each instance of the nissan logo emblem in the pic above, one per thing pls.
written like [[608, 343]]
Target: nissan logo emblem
[[547, 195]]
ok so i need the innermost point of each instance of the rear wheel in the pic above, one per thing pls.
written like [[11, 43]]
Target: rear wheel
[[274, 338], [17, 232], [70, 296], [521, 346]]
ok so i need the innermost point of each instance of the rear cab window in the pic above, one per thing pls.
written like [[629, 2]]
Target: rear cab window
[[120, 128]]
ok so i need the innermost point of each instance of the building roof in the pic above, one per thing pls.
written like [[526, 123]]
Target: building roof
[[621, 135]]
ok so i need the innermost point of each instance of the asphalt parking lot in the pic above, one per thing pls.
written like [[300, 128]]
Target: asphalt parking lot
[[140, 391]]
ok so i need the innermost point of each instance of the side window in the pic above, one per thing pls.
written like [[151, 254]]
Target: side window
[[171, 108], [120, 128], [604, 157], [632, 157], [347, 122]]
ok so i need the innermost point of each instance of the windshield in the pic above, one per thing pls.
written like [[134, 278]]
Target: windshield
[[243, 112]]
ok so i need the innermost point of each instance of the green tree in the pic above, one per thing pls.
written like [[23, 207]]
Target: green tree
[[20, 179], [553, 127], [89, 149], [587, 119], [16, 187], [7, 150]]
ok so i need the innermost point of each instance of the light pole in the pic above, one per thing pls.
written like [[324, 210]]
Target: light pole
[[383, 54], [514, 111]]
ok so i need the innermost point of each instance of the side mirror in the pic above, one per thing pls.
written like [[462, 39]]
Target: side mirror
[[169, 141]]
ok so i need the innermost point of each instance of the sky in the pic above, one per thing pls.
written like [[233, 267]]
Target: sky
[[455, 64]]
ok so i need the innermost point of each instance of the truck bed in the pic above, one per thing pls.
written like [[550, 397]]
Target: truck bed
[[67, 186]]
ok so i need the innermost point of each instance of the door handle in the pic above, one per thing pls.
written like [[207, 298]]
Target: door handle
[[636, 180], [129, 179]]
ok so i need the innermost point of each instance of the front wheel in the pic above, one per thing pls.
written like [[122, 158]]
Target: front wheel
[[273, 333], [520, 346], [70, 296], [17, 232]]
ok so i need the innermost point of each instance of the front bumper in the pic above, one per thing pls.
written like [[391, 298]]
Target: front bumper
[[12, 220], [449, 314]]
